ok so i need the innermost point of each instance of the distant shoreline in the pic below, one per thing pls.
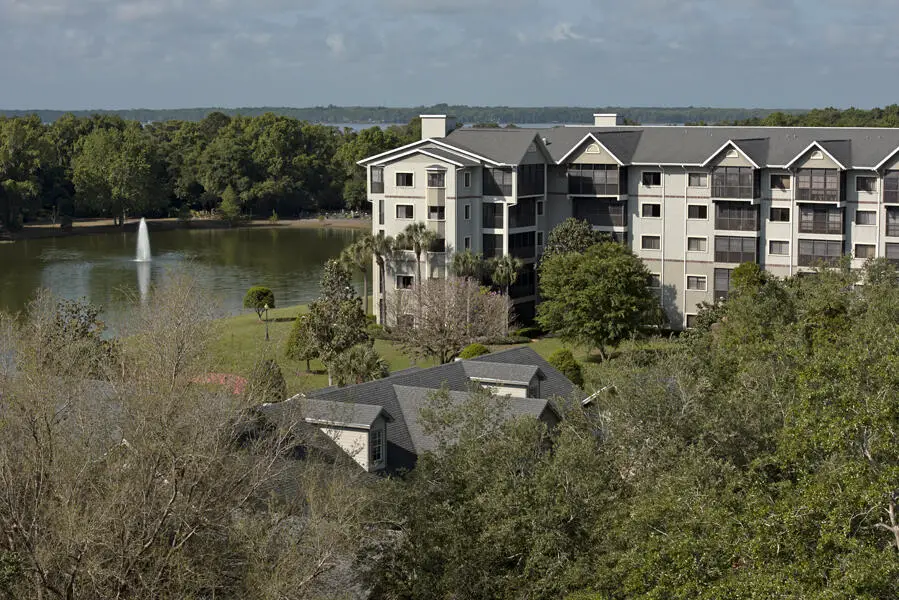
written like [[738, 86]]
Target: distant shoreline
[[105, 226]]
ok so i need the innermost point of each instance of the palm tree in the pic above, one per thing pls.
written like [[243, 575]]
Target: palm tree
[[358, 255], [359, 364], [504, 273], [419, 239], [467, 265], [383, 248]]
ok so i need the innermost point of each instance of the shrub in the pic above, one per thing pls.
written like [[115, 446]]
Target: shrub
[[473, 351], [505, 341], [257, 298], [564, 361], [274, 218], [266, 383], [530, 332]]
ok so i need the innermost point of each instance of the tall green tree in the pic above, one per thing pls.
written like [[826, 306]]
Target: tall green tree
[[358, 255], [24, 153], [114, 173], [571, 235], [383, 248], [336, 321], [596, 298]]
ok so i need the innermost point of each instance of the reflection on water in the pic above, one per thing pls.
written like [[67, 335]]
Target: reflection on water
[[225, 263]]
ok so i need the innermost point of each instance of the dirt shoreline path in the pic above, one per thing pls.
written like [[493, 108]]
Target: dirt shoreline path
[[103, 226]]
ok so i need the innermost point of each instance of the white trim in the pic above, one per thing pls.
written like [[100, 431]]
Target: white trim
[[815, 144], [424, 151], [736, 147], [468, 153], [885, 160], [580, 143], [365, 161]]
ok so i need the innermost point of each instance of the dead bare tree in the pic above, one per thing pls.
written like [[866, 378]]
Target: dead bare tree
[[454, 312], [147, 485]]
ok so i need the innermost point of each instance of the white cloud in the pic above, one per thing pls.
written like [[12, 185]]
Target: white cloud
[[335, 43]]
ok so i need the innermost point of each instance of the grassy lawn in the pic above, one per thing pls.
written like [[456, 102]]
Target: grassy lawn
[[241, 342]]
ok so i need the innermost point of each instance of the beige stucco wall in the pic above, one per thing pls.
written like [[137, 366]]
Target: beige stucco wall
[[355, 442]]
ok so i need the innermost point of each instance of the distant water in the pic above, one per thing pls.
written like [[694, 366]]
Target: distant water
[[360, 126], [225, 263]]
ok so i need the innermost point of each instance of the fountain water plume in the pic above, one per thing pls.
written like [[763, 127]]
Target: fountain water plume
[[143, 242]]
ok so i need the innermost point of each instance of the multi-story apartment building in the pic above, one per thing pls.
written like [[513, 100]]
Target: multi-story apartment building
[[692, 202]]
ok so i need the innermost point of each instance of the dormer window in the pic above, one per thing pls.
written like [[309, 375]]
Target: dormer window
[[732, 154], [377, 446], [817, 155]]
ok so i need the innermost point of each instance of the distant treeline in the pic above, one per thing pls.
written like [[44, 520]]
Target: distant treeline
[[104, 165], [466, 114], [828, 117]]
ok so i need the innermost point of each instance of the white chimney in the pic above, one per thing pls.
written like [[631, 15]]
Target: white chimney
[[607, 120], [436, 126]]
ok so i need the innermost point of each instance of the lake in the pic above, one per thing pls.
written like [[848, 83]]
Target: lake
[[226, 262]]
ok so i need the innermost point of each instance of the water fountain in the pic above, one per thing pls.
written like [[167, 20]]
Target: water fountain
[[143, 259], [143, 242]]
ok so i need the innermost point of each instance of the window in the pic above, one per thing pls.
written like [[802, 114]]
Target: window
[[377, 180], [403, 282], [466, 243], [539, 238], [698, 180], [865, 183], [736, 216], [436, 213], [735, 182], [819, 185], [779, 215], [597, 180], [651, 178], [497, 182], [691, 321], [652, 210], [404, 211], [864, 251], [891, 187], [722, 283], [697, 244], [540, 208], [696, 282], [380, 212], [892, 221], [778, 247], [492, 244], [697, 211], [820, 219], [735, 249], [493, 216], [466, 179], [780, 182], [531, 180], [655, 280], [467, 212], [601, 212], [812, 252], [377, 446], [405, 180], [438, 245], [651, 242], [523, 245], [865, 217], [523, 214], [892, 253], [436, 179]]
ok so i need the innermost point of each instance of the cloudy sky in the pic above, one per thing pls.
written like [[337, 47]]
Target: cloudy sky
[[80, 54]]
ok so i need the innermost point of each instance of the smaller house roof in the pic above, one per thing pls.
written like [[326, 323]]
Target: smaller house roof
[[501, 372], [331, 412]]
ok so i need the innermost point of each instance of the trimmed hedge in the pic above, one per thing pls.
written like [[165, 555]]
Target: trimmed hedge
[[564, 361], [473, 351]]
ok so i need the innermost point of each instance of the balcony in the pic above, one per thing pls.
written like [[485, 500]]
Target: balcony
[[736, 183], [523, 245], [820, 185], [597, 180], [891, 187], [523, 214], [601, 212], [492, 215], [821, 219], [736, 216], [497, 182], [815, 252]]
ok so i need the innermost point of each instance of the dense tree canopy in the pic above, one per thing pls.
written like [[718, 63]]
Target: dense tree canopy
[[106, 166]]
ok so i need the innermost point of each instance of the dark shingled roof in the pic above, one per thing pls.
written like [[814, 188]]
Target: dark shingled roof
[[507, 146], [500, 371], [401, 447]]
